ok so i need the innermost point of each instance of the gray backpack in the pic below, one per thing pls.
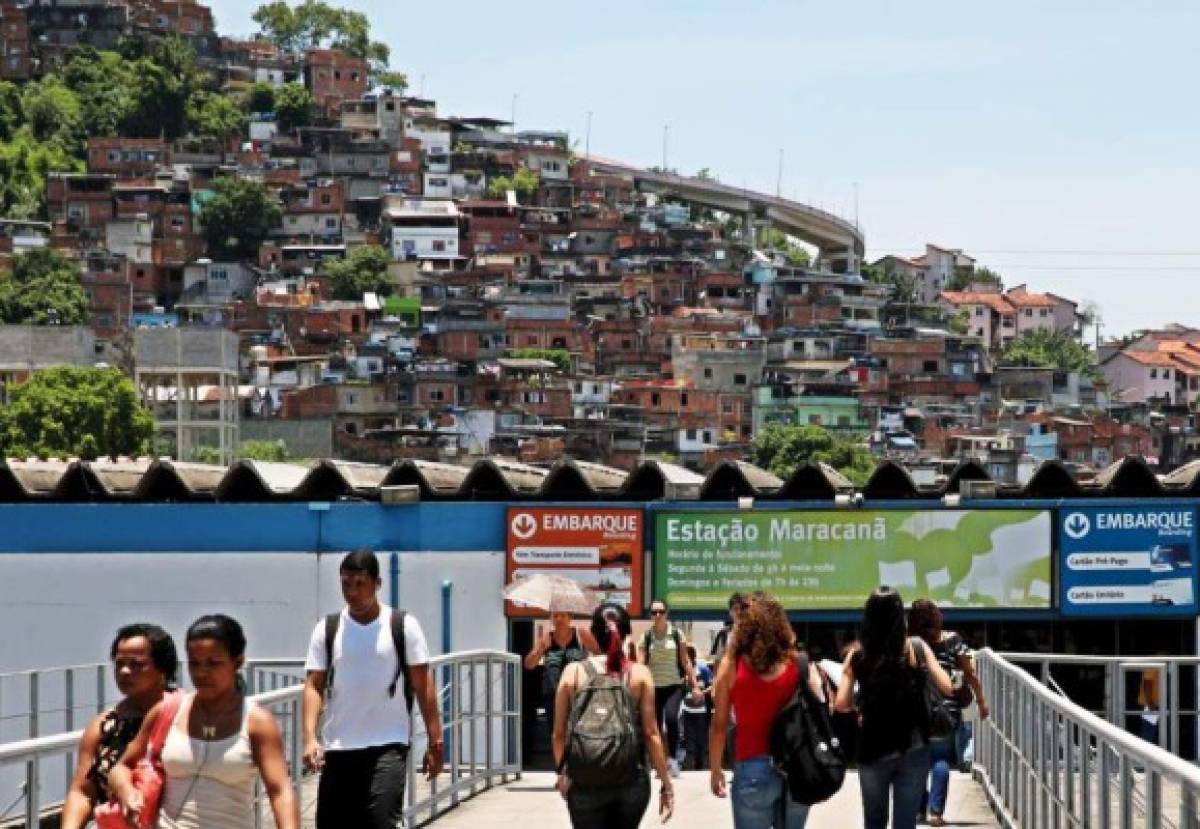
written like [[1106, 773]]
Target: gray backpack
[[604, 736]]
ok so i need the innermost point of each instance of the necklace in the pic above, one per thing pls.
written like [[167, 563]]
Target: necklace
[[208, 730]]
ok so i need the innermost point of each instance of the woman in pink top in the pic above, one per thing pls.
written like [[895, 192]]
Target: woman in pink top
[[756, 683]]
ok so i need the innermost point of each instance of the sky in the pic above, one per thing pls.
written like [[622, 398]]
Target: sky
[[1055, 142]]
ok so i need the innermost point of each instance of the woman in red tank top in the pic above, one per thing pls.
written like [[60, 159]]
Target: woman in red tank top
[[755, 680]]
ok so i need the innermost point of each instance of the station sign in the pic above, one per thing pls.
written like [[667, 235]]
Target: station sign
[[832, 560], [1118, 561], [600, 548]]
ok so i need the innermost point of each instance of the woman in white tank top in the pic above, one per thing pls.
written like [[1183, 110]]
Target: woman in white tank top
[[217, 746]]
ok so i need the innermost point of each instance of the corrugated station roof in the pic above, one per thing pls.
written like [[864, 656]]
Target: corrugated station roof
[[502, 479]]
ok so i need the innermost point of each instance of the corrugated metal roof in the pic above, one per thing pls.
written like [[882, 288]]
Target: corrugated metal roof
[[164, 480]]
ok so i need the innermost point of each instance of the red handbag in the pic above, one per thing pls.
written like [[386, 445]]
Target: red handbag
[[148, 775]]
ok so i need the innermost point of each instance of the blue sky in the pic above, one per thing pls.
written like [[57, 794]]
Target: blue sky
[[1055, 142]]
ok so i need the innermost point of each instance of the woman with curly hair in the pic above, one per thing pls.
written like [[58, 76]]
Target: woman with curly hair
[[756, 681]]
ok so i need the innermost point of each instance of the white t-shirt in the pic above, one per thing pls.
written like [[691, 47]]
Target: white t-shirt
[[359, 713]]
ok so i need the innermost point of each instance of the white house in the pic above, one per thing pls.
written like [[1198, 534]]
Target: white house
[[422, 229]]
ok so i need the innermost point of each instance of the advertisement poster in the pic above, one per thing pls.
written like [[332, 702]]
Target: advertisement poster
[[833, 560], [600, 548], [1128, 560]]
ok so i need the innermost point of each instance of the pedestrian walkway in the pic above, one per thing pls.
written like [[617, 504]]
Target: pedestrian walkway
[[532, 803]]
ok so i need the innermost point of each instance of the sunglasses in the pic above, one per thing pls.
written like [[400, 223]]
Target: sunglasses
[[658, 613]]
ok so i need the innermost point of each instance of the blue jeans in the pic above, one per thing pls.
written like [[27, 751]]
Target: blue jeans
[[941, 758], [760, 798], [964, 743], [896, 777]]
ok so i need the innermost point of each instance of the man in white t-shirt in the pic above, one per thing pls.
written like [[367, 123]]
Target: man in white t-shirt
[[366, 691]]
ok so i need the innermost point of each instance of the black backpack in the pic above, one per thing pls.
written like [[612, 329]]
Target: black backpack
[[942, 714], [334, 620], [804, 747], [604, 740]]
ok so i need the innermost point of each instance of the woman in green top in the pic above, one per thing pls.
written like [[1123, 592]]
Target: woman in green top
[[664, 651]]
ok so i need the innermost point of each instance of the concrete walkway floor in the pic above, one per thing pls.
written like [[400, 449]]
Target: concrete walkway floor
[[532, 803]]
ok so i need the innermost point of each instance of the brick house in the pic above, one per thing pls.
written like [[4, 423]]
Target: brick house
[[333, 76], [15, 60]]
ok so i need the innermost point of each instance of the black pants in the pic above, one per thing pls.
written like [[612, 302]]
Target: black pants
[[617, 808], [695, 738], [362, 788], [667, 700]]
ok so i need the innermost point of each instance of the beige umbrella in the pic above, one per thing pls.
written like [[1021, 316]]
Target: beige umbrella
[[552, 593]]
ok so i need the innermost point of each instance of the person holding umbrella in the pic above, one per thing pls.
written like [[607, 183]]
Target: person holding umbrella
[[562, 645]]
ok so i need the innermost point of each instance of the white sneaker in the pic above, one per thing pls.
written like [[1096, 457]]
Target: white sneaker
[[673, 765]]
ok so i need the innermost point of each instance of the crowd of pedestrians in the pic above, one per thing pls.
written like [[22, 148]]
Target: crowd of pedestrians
[[619, 709], [905, 743]]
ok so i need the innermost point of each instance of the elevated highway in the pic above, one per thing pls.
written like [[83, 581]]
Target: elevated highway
[[841, 243]]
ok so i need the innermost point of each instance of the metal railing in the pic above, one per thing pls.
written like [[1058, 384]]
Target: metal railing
[[480, 697], [1045, 761], [1117, 705]]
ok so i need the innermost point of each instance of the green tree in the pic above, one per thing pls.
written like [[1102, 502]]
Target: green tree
[[398, 81], [313, 24], [293, 106], [73, 411], [364, 269], [238, 218], [780, 449], [524, 181], [104, 83], [12, 114], [773, 239], [1054, 349], [43, 288], [25, 163], [163, 85], [213, 114], [559, 356], [261, 97], [53, 115], [962, 277], [275, 451]]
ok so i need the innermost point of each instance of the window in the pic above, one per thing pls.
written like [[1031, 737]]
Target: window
[[1045, 312], [683, 400], [1166, 374], [930, 366], [531, 339], [326, 198], [114, 156], [814, 420], [1153, 373], [578, 387], [218, 274], [727, 408], [656, 399], [437, 395], [1029, 312], [691, 434], [708, 436], [747, 409], [626, 343], [979, 310], [747, 431], [351, 398], [708, 374], [331, 223], [739, 379], [843, 420], [439, 245]]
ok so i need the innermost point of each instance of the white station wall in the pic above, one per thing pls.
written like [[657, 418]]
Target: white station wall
[[63, 608]]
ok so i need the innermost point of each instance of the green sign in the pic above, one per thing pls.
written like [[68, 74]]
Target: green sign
[[833, 560]]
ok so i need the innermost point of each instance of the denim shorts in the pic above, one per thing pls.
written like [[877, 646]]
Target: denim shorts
[[760, 798]]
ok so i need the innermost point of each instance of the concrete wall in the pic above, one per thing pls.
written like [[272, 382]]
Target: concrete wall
[[309, 438], [157, 348], [25, 347]]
